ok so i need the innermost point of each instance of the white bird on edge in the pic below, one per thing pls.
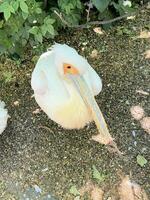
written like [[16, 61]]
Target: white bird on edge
[[3, 117], [64, 87]]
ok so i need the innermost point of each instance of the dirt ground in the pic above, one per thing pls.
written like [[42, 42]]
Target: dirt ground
[[36, 162]]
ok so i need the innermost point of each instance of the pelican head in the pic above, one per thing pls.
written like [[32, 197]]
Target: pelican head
[[64, 86], [67, 60]]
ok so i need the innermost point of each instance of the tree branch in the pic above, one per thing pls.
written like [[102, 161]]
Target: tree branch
[[61, 18], [89, 24]]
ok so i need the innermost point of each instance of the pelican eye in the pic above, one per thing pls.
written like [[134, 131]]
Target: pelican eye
[[70, 69]]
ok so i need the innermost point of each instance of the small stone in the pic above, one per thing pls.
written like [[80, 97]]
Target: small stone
[[142, 92], [135, 143], [48, 196], [84, 43], [45, 169], [133, 133], [94, 54], [127, 102], [98, 30], [148, 5], [131, 17], [16, 103], [37, 189], [36, 111]]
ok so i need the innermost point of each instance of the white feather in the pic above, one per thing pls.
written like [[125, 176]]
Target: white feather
[[57, 97], [3, 117]]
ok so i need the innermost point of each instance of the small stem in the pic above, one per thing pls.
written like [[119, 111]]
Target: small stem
[[88, 12], [61, 18], [46, 128]]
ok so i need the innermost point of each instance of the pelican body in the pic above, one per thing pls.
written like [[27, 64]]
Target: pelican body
[[3, 116], [56, 82]]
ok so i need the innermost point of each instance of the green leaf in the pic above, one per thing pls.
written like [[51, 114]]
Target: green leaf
[[1, 23], [8, 76], [73, 190], [11, 9], [4, 6], [7, 14], [43, 29], [24, 7], [4, 40], [101, 5], [34, 30], [23, 42], [15, 5], [7, 9], [97, 175], [141, 160], [48, 21], [51, 30], [38, 10], [79, 5], [116, 6], [24, 15], [39, 37]]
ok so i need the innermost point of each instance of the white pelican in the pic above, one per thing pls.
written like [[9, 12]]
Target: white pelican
[[64, 87], [3, 116]]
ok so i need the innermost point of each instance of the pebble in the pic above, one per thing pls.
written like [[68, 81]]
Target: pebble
[[37, 189], [135, 143], [133, 133]]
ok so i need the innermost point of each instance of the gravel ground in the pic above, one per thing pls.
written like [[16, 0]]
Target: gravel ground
[[37, 162]]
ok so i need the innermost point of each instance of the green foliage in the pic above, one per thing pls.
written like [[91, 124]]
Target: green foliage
[[141, 160], [8, 76], [122, 7], [26, 21], [73, 190], [101, 5], [100, 177]]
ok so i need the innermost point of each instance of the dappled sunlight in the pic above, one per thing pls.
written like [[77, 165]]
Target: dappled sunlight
[[147, 54], [93, 191], [145, 124], [129, 190], [144, 35], [138, 114]]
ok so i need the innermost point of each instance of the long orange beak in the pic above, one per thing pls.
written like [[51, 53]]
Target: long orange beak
[[91, 104]]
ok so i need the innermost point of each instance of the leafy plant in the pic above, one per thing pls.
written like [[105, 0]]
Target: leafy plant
[[101, 5], [141, 160], [100, 177], [27, 21], [122, 6]]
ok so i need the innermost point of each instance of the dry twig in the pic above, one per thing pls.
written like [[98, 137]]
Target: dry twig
[[89, 24]]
